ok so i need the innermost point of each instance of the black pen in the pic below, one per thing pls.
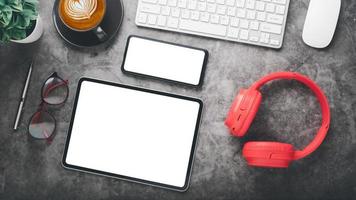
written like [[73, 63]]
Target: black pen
[[23, 97]]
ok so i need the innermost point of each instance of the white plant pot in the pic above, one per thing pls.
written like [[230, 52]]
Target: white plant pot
[[35, 35], [18, 52]]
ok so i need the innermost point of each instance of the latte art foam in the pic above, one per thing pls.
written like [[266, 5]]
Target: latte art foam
[[81, 15], [80, 9]]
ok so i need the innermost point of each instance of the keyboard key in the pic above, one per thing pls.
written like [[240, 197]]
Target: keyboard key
[[251, 14], [250, 4], [241, 13], [201, 6], [162, 20], [240, 3], [270, 8], [224, 20], [195, 26], [192, 4], [264, 38], [280, 1], [175, 12], [214, 19], [234, 22], [182, 3], [243, 34], [185, 14], [149, 1], [211, 8], [231, 11], [230, 2], [254, 25], [254, 38], [271, 28], [274, 42], [265, 41], [142, 18], [275, 19], [150, 8], [194, 15], [260, 6], [221, 10], [261, 16], [233, 33], [204, 17], [152, 19], [162, 2], [172, 3], [280, 9], [243, 23], [166, 11], [172, 22]]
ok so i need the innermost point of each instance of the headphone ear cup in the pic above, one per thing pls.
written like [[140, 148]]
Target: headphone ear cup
[[268, 154], [243, 110]]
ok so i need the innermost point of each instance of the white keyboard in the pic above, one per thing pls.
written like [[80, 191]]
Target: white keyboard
[[258, 22]]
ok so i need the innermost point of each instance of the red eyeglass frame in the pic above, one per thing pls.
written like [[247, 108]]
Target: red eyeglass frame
[[42, 107]]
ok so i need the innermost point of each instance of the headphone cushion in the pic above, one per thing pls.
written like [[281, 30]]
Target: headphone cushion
[[243, 111], [268, 154]]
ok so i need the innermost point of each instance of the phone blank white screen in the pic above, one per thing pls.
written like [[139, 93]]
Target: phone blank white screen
[[164, 60], [133, 133]]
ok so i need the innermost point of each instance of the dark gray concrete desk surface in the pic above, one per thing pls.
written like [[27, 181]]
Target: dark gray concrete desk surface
[[31, 169]]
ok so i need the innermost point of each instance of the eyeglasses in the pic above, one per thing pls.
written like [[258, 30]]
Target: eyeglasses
[[54, 92]]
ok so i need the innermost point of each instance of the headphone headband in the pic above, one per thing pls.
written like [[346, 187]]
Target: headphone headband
[[325, 110]]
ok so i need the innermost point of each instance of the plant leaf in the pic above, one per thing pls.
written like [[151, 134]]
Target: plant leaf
[[32, 1], [4, 36], [6, 12], [22, 22], [1, 14], [30, 6], [16, 5], [17, 34], [2, 2], [30, 14]]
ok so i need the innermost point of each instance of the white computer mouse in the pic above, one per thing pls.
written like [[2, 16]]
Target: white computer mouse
[[320, 22]]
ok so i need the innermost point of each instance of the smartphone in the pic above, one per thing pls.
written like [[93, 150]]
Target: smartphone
[[164, 60]]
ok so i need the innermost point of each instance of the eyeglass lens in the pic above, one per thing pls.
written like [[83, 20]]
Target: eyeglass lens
[[42, 125], [55, 91]]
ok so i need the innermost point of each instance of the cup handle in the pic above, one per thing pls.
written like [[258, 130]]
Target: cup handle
[[100, 33]]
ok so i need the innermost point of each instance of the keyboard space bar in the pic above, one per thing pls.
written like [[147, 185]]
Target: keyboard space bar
[[202, 27]]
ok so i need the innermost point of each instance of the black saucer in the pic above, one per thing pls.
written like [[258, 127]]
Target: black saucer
[[110, 24]]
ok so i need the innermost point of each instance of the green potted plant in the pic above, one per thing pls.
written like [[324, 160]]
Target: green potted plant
[[20, 29], [19, 21]]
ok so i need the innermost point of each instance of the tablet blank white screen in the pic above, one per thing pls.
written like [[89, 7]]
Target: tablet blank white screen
[[164, 60], [133, 133]]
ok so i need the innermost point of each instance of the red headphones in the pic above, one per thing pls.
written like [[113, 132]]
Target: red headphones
[[272, 154]]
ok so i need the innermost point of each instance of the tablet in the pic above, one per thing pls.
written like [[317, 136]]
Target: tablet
[[133, 133], [164, 60]]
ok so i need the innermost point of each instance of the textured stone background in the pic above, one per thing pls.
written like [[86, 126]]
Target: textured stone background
[[31, 169]]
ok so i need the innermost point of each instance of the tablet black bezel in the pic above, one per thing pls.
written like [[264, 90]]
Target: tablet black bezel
[[122, 177], [202, 73]]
